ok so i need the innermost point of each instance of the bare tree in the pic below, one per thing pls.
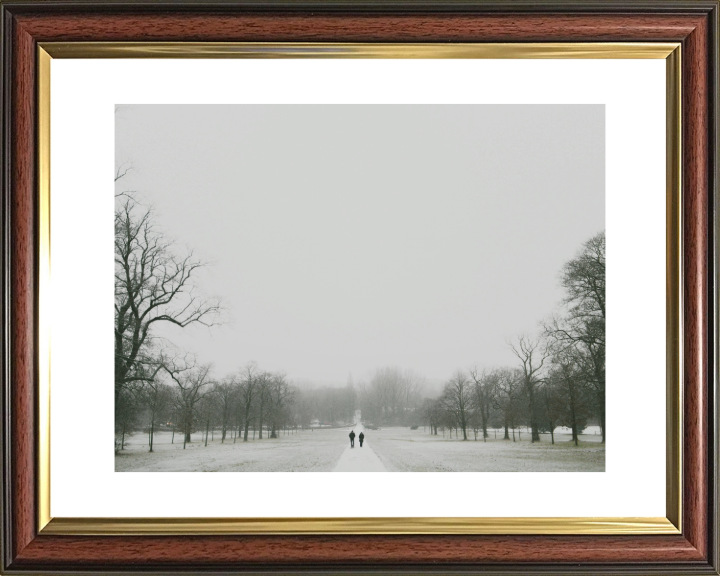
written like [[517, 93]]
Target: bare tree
[[583, 278], [207, 409], [226, 394], [264, 380], [484, 391], [157, 397], [153, 284], [433, 413], [457, 400], [248, 390], [585, 344], [280, 395], [532, 356], [192, 382], [131, 399], [552, 407], [583, 326], [507, 398], [570, 385], [126, 414]]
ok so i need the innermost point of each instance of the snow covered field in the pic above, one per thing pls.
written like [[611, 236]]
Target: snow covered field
[[388, 449], [404, 450], [306, 451]]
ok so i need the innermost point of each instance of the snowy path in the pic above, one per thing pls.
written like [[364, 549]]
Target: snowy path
[[359, 459]]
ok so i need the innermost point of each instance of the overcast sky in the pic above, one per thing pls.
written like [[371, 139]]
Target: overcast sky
[[349, 237]]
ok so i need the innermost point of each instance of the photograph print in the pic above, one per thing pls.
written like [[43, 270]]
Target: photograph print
[[359, 288]]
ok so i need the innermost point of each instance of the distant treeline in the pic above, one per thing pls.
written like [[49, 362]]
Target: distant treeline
[[240, 407]]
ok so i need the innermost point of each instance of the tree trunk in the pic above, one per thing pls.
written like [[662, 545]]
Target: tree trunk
[[602, 418], [600, 377], [247, 423], [534, 435], [172, 440], [152, 430], [574, 431], [122, 442], [207, 429], [572, 416], [552, 432], [507, 432], [483, 421]]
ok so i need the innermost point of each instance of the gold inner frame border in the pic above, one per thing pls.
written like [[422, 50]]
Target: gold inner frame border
[[671, 524]]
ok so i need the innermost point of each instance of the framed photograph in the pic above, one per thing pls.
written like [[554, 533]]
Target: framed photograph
[[380, 277]]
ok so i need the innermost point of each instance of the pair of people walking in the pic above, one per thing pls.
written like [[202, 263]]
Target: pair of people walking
[[361, 437]]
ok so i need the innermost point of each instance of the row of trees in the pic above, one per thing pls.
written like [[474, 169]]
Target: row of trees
[[184, 398], [559, 378]]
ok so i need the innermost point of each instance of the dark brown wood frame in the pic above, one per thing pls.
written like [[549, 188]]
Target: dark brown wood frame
[[693, 23]]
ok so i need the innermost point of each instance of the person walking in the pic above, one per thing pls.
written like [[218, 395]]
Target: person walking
[[352, 438], [361, 437]]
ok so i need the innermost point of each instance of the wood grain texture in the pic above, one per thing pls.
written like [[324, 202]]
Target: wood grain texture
[[221, 552], [665, 554], [319, 27], [22, 293], [695, 238]]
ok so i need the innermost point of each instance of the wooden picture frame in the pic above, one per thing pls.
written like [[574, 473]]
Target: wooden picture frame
[[33, 544]]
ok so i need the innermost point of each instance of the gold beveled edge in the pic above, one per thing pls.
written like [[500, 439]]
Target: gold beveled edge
[[674, 325], [590, 526], [531, 50], [43, 175], [500, 526]]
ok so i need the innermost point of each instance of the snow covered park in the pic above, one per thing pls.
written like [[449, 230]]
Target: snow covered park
[[425, 313], [397, 449]]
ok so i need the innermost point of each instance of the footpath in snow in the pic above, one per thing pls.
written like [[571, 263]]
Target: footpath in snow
[[359, 459]]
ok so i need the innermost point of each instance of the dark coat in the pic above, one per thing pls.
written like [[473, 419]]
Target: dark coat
[[352, 434], [361, 436]]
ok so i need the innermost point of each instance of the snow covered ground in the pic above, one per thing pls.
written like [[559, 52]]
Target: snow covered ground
[[388, 449], [306, 451], [405, 450]]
